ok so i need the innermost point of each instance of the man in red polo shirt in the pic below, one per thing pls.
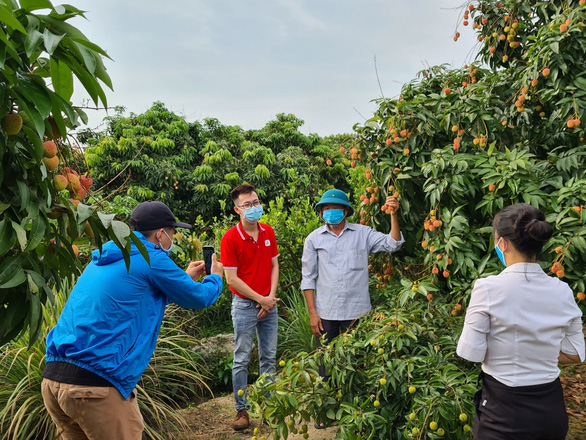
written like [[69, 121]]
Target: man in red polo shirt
[[249, 255]]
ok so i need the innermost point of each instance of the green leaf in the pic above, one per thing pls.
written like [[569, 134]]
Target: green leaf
[[121, 230], [62, 79], [105, 218], [555, 47], [33, 5], [82, 115], [7, 17], [87, 80], [88, 57], [7, 236], [60, 104], [2, 53], [84, 212], [122, 245], [8, 46], [32, 42], [35, 316], [36, 94], [20, 235], [33, 114], [9, 267], [35, 141], [51, 41], [16, 279], [141, 247], [25, 193], [73, 33], [37, 233]]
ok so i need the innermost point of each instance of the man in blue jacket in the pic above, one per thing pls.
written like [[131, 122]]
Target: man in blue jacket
[[108, 329]]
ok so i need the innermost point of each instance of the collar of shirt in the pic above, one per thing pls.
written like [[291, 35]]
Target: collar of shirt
[[523, 267], [325, 229], [244, 235]]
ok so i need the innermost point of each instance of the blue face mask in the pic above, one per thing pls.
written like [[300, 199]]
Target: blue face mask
[[253, 214], [167, 251], [500, 253], [333, 216]]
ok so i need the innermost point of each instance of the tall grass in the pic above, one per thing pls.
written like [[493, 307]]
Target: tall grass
[[295, 334], [22, 412], [173, 379]]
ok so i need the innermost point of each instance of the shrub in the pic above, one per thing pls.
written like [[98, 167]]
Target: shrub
[[371, 371]]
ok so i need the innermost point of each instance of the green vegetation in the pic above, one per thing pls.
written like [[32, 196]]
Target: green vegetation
[[41, 221], [193, 166], [456, 147]]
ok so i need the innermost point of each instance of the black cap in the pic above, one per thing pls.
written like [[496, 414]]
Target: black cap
[[148, 216]]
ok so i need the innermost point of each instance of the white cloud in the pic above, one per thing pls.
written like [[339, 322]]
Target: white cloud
[[243, 62]]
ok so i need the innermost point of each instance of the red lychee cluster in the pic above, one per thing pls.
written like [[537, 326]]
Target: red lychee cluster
[[70, 180], [557, 269], [432, 222]]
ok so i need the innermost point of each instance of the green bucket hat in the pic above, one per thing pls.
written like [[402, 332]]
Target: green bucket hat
[[337, 197]]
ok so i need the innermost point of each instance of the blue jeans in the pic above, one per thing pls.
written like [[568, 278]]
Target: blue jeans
[[244, 312]]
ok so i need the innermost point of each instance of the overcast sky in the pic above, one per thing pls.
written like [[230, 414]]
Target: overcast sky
[[245, 61]]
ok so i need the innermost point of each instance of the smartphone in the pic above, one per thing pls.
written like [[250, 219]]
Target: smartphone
[[207, 258]]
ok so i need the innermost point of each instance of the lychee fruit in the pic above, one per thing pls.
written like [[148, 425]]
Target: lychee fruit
[[11, 123], [74, 184], [87, 182], [49, 149], [51, 162], [60, 182]]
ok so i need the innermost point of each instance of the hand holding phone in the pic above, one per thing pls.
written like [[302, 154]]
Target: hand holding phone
[[208, 251]]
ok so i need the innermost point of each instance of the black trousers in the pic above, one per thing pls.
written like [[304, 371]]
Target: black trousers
[[331, 330], [534, 412]]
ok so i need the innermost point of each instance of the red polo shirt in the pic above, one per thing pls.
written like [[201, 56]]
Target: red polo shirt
[[253, 260]]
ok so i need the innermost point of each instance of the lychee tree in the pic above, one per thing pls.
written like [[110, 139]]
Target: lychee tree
[[456, 147], [42, 220], [193, 166], [459, 145]]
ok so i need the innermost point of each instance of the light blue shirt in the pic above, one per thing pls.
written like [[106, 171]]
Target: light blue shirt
[[336, 267]]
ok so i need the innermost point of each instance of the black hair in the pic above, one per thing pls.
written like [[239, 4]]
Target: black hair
[[241, 189], [525, 226]]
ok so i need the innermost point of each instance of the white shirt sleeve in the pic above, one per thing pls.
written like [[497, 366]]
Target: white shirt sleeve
[[309, 265], [473, 341], [573, 342]]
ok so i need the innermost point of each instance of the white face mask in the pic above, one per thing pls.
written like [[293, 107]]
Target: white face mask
[[167, 251]]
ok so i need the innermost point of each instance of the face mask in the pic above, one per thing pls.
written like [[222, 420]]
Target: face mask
[[333, 216], [167, 251], [500, 253], [253, 214]]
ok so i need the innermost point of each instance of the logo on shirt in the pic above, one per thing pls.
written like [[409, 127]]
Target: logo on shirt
[[267, 243]]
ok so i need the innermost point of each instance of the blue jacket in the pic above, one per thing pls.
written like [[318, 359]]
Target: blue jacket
[[112, 318]]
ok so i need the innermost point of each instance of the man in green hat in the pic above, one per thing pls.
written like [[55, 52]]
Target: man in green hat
[[335, 265]]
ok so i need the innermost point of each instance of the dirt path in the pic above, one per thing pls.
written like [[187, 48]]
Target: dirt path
[[574, 383], [212, 420]]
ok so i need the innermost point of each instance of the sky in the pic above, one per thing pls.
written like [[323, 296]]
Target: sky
[[243, 62]]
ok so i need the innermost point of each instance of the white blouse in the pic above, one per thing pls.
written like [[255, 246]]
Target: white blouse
[[517, 323]]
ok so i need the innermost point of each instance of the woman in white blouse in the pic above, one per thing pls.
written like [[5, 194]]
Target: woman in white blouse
[[520, 324]]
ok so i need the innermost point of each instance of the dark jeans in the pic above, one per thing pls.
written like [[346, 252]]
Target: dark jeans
[[331, 330]]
